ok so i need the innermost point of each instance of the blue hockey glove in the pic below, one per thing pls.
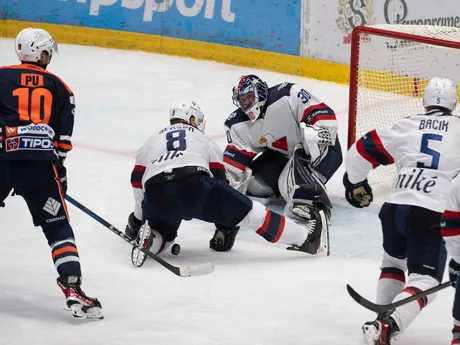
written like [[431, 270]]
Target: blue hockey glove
[[358, 194], [454, 269]]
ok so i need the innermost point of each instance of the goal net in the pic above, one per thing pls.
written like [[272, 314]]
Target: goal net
[[390, 67]]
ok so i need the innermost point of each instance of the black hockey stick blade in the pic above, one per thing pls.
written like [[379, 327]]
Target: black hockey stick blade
[[387, 308], [181, 271]]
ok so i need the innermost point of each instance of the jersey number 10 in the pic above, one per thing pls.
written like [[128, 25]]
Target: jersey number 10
[[34, 104]]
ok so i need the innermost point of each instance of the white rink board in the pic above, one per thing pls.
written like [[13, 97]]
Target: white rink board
[[327, 24]]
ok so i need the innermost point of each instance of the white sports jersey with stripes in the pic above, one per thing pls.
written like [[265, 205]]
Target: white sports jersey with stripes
[[175, 146], [426, 151]]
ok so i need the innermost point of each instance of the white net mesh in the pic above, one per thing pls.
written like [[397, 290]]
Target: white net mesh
[[392, 75]]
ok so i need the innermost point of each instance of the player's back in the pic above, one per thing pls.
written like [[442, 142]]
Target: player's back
[[36, 108], [426, 151], [175, 146]]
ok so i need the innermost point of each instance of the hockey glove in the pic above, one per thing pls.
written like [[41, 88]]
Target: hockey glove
[[62, 176], [454, 269], [359, 194], [133, 226], [224, 238]]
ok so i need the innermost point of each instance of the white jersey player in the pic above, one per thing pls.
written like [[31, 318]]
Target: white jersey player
[[179, 175], [282, 141], [426, 151], [450, 230]]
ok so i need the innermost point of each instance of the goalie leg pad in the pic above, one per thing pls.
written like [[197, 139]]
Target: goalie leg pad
[[268, 167], [299, 184], [258, 188]]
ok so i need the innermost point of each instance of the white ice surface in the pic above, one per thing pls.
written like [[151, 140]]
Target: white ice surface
[[258, 294]]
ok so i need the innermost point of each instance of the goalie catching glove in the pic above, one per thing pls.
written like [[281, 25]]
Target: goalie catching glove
[[357, 194], [315, 142]]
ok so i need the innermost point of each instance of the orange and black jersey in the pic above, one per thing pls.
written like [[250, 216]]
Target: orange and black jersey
[[36, 114]]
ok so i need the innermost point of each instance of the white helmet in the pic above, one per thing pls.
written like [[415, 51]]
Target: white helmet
[[184, 109], [440, 92], [31, 42]]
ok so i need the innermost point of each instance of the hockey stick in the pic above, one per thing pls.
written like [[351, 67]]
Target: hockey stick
[[389, 308], [181, 271]]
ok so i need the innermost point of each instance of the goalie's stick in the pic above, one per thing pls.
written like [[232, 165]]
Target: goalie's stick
[[181, 271], [389, 308]]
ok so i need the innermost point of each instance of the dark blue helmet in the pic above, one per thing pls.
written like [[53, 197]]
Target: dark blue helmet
[[250, 95]]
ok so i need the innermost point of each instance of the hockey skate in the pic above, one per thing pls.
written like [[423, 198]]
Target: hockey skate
[[381, 331], [80, 304], [144, 240], [224, 238], [318, 229]]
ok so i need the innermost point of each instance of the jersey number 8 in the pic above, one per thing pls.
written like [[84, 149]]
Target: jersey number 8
[[175, 140]]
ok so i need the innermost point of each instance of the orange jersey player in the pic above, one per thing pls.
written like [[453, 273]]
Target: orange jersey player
[[36, 124]]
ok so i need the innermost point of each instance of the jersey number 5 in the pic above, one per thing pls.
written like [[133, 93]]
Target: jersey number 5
[[34, 104], [426, 150]]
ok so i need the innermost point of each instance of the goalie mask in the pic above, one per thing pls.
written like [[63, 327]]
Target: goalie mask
[[250, 95], [185, 109]]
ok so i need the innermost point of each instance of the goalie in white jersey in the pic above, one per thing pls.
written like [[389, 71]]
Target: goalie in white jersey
[[282, 141], [426, 151], [179, 175]]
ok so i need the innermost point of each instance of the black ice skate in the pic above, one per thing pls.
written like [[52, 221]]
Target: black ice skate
[[133, 226], [80, 305], [144, 240], [381, 331], [224, 238], [318, 228]]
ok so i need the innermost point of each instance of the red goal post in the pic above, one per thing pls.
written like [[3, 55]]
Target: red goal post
[[389, 68]]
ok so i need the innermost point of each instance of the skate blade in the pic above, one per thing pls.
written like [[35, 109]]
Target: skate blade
[[325, 238], [137, 257], [94, 313]]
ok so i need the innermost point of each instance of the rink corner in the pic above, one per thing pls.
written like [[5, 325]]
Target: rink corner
[[239, 56]]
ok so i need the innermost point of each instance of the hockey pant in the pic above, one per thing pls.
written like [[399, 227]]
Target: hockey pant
[[199, 196], [5, 183], [451, 233], [412, 242], [38, 184]]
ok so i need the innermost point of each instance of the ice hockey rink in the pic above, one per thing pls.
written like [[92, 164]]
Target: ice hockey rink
[[259, 293]]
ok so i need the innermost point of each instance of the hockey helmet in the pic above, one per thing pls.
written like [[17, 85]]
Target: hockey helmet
[[250, 95], [184, 109], [31, 42], [440, 92]]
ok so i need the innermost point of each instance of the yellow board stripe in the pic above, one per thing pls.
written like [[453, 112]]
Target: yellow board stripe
[[394, 83], [259, 59]]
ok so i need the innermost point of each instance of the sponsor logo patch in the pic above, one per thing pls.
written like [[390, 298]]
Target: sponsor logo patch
[[28, 143], [52, 206]]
